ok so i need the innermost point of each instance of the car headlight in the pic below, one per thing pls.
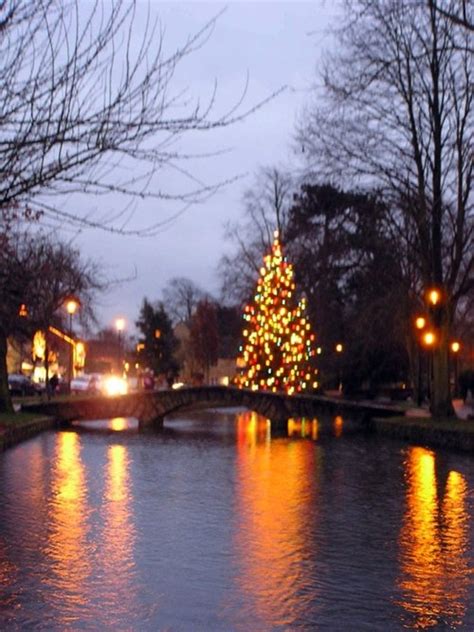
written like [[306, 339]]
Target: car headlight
[[115, 385]]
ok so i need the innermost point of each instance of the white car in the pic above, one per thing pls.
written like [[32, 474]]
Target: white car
[[87, 383]]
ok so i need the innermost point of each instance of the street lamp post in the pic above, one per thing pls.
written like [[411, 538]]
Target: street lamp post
[[455, 347], [429, 341], [339, 349], [120, 326], [420, 323], [71, 307]]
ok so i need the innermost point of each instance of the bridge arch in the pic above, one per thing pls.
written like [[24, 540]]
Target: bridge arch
[[150, 408]]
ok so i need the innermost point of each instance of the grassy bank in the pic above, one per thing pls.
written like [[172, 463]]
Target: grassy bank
[[17, 420], [448, 433], [448, 423], [19, 426]]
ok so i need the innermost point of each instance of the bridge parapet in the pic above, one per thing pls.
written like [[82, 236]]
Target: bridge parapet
[[151, 407]]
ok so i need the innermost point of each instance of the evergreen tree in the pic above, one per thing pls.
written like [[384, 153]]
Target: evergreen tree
[[157, 344], [277, 339]]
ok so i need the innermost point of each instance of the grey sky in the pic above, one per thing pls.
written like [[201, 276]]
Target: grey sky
[[276, 44]]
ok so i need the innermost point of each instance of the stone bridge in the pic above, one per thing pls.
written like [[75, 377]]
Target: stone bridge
[[150, 408]]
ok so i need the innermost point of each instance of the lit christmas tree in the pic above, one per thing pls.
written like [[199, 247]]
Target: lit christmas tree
[[277, 338]]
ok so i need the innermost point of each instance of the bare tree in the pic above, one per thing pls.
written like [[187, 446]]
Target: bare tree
[[204, 336], [461, 13], [399, 116], [266, 206], [37, 275], [86, 107], [181, 297]]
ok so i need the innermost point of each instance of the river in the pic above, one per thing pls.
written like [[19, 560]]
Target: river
[[215, 524]]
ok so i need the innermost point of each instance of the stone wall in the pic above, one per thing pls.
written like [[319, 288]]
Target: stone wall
[[452, 434], [10, 436]]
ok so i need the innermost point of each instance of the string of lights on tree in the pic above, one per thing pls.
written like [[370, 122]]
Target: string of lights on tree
[[277, 339]]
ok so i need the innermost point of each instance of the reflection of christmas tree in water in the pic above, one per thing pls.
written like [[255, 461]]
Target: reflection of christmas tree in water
[[277, 338]]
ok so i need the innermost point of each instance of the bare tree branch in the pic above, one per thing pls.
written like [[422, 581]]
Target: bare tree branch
[[87, 108]]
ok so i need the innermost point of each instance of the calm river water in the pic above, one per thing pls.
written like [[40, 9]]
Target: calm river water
[[217, 525]]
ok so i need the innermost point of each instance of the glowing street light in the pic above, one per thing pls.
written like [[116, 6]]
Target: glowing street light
[[434, 297], [429, 338], [339, 348], [120, 324], [455, 348], [420, 322], [72, 305]]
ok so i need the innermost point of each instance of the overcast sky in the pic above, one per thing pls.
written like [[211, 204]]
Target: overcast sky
[[275, 44]]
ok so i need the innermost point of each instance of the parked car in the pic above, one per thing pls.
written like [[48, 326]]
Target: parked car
[[87, 383], [20, 385], [97, 383]]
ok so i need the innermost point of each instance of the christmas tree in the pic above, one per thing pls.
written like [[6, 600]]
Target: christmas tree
[[277, 339]]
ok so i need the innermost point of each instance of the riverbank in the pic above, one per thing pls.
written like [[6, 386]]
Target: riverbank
[[19, 426], [455, 434]]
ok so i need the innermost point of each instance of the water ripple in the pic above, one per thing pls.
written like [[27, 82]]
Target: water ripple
[[217, 525]]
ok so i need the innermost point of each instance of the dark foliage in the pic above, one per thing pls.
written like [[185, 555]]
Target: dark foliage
[[158, 340], [346, 264]]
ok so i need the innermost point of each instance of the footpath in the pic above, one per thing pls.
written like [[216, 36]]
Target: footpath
[[463, 411]]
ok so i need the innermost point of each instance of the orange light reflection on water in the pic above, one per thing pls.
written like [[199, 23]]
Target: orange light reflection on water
[[118, 423], [252, 429], [116, 546], [338, 426], [303, 427], [433, 539], [456, 540], [273, 494], [67, 544], [119, 533]]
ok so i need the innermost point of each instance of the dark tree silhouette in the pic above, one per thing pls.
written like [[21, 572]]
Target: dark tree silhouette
[[398, 116], [157, 342], [204, 336], [346, 264], [37, 275]]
